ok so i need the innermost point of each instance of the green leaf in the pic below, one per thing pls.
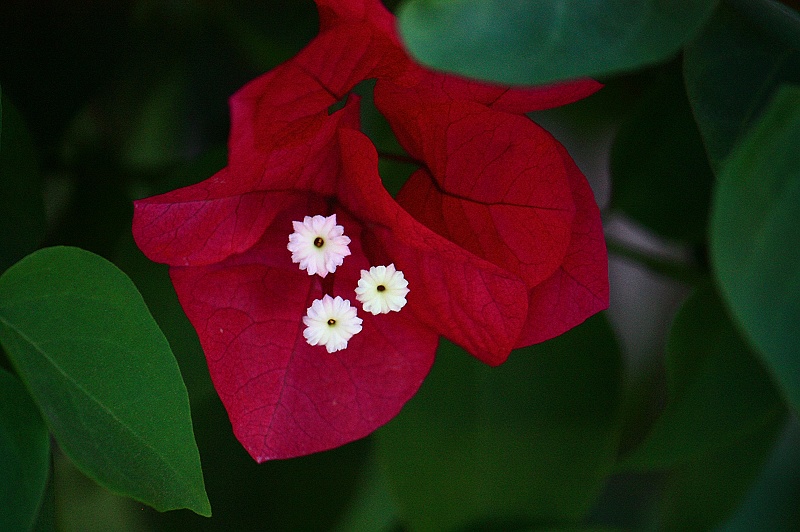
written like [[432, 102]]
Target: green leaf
[[153, 282], [718, 391], [155, 137], [732, 70], [394, 165], [46, 519], [24, 455], [540, 41], [660, 173], [530, 440], [774, 17], [372, 507], [264, 34], [101, 372], [755, 249], [22, 221], [771, 503], [703, 492]]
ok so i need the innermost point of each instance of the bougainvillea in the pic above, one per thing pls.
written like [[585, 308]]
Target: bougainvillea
[[494, 243]]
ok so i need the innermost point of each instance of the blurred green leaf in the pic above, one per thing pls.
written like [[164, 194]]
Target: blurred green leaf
[[500, 525], [141, 124], [82, 505], [372, 508], [46, 519], [755, 248], [771, 504], [97, 210], [773, 16], [732, 70], [718, 391], [22, 222], [157, 136], [660, 173], [24, 455], [530, 440], [706, 490], [188, 173], [167, 98], [394, 165], [55, 55], [540, 41], [101, 372], [265, 33]]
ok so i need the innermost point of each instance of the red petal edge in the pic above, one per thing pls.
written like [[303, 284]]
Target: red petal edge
[[579, 288]]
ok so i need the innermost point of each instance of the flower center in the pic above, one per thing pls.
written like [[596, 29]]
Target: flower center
[[319, 242], [380, 288], [331, 322]]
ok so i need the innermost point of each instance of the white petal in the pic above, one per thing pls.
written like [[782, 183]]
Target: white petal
[[322, 259], [334, 336], [394, 286]]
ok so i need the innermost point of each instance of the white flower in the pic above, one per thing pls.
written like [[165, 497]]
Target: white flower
[[382, 289], [318, 244], [331, 321]]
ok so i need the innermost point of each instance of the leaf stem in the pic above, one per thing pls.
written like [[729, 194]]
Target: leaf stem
[[680, 271]]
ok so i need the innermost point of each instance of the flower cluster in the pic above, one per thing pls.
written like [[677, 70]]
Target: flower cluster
[[319, 245], [497, 230]]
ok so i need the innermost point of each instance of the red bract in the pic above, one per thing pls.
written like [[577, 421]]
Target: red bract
[[497, 234]]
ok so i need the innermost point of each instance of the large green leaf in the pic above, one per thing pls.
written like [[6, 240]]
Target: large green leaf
[[733, 68], [773, 16], [24, 455], [22, 220], [718, 390], [771, 503], [372, 508], [707, 489], [102, 374], [46, 520], [539, 41], [532, 439], [660, 173], [755, 247]]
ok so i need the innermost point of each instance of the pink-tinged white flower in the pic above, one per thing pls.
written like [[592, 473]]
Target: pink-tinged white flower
[[318, 244], [382, 289], [331, 322]]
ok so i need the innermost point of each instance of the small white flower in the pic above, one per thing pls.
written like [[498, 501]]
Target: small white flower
[[331, 322], [318, 244], [382, 289]]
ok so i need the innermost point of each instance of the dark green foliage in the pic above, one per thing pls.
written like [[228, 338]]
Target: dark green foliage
[[104, 103]]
